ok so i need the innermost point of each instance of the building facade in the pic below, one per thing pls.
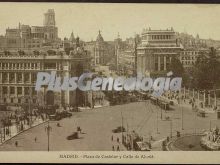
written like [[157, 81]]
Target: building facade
[[188, 58], [156, 50], [18, 74], [32, 37]]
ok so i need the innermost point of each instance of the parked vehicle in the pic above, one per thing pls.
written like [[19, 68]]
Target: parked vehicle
[[118, 129], [74, 135]]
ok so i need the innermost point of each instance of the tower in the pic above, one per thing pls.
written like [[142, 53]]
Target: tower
[[50, 30], [49, 18]]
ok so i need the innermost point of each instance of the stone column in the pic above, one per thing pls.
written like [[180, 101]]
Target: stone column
[[30, 77], [22, 90], [158, 63], [8, 77], [22, 78], [165, 62], [16, 77]]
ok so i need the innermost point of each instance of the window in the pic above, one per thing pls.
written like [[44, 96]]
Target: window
[[12, 100], [19, 100], [26, 77], [12, 90], [5, 90], [34, 77], [11, 77], [4, 77], [26, 91], [34, 92], [19, 77], [19, 90]]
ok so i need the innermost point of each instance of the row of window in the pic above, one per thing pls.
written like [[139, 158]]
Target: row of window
[[19, 65], [11, 90], [190, 53], [188, 58], [18, 100], [157, 37], [10, 77]]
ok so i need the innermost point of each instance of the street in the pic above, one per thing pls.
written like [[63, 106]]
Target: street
[[97, 125]]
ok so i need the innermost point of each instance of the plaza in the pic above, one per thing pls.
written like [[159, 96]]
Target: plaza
[[143, 117]]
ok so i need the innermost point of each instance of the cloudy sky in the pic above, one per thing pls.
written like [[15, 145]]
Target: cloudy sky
[[86, 19]]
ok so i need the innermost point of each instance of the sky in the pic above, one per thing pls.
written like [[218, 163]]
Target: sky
[[85, 20]]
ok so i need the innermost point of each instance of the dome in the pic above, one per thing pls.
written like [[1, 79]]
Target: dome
[[99, 37]]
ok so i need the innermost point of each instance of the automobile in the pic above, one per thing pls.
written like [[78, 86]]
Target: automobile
[[118, 129], [52, 117], [74, 135], [65, 114]]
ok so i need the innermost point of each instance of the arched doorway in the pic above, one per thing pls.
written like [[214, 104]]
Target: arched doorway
[[50, 98]]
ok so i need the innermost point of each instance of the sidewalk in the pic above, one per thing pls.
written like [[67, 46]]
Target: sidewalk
[[14, 130]]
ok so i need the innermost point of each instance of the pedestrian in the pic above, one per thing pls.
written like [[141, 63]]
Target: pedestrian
[[118, 149], [113, 148], [35, 139], [150, 146], [16, 143], [112, 138]]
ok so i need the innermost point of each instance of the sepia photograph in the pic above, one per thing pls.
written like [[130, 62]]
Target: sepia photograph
[[95, 77]]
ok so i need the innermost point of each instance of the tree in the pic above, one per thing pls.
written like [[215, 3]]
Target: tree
[[176, 67], [206, 74]]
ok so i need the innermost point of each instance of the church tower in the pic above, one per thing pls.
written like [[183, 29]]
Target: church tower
[[49, 18]]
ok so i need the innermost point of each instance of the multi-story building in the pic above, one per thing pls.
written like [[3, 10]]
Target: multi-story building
[[125, 55], [18, 73], [101, 50], [156, 50], [32, 37], [188, 57]]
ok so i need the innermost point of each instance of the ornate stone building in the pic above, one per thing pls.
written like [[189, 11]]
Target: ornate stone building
[[156, 50], [101, 51], [18, 73], [32, 37]]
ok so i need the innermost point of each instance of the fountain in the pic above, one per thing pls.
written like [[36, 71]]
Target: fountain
[[211, 141]]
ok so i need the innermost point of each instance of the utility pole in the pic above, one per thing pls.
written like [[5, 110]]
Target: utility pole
[[30, 112], [182, 117], [48, 129], [157, 122], [122, 127], [171, 128]]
